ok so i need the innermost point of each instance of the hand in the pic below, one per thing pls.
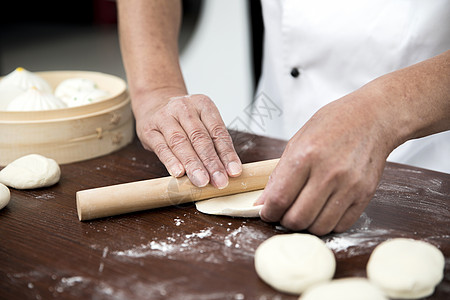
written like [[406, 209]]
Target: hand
[[331, 167], [188, 135]]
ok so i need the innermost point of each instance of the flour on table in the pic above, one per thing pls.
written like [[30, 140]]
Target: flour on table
[[355, 242], [238, 205], [169, 247], [358, 240], [204, 245], [30, 172]]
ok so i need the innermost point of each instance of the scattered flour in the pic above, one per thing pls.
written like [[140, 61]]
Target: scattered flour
[[67, 285], [178, 221], [167, 247], [76, 285], [202, 234], [238, 245], [105, 251], [357, 241], [102, 264], [46, 196], [71, 281], [101, 267]]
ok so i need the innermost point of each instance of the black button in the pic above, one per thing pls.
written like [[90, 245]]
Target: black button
[[295, 73]]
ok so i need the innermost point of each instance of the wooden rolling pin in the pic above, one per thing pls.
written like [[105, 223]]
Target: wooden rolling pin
[[146, 194]]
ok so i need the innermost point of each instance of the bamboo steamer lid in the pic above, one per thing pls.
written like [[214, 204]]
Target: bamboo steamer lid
[[70, 134]]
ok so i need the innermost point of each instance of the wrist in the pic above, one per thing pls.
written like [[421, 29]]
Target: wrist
[[373, 113], [390, 113], [148, 100]]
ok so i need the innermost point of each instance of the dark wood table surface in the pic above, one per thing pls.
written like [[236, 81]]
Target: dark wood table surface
[[179, 253]]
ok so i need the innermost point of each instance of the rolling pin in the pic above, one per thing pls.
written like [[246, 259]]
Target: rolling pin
[[153, 193]]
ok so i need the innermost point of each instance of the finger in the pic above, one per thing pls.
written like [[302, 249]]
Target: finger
[[308, 204], [343, 208], [350, 216], [158, 145], [331, 214], [204, 147], [282, 189], [181, 147], [221, 137]]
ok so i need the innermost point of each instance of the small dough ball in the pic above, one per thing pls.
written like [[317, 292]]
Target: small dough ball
[[25, 80], [344, 289], [69, 87], [291, 263], [35, 100], [86, 97], [5, 195], [238, 205], [7, 94], [79, 91], [406, 268], [30, 172]]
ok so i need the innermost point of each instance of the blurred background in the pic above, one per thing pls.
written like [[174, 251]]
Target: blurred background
[[220, 44]]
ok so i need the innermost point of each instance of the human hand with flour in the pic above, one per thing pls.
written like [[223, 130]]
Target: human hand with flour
[[330, 169], [188, 136], [186, 132]]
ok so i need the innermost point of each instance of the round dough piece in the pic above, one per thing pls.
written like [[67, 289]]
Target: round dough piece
[[71, 86], [238, 205], [344, 289], [25, 79], [30, 172], [35, 100], [5, 195], [291, 263], [7, 94], [406, 268]]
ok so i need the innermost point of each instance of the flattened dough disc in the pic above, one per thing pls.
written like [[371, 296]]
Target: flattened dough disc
[[238, 205]]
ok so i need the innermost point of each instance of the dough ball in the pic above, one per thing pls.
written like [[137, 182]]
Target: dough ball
[[344, 289], [238, 205], [69, 87], [7, 94], [79, 91], [30, 172], [35, 100], [5, 196], [293, 262], [86, 97], [25, 80], [406, 268]]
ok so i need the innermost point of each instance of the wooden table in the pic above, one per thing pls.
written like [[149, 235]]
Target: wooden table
[[179, 253]]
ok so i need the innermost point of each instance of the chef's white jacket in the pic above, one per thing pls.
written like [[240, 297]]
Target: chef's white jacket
[[318, 51]]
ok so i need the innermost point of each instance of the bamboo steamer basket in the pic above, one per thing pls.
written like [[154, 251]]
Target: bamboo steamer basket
[[70, 134]]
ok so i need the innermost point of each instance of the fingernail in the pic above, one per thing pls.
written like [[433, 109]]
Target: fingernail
[[199, 178], [220, 180], [234, 168], [176, 171], [258, 201]]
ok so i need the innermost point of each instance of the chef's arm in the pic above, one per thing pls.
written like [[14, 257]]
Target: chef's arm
[[330, 169], [417, 99], [148, 32], [186, 132]]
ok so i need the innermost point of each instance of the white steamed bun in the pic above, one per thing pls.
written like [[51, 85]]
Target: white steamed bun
[[33, 100]]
